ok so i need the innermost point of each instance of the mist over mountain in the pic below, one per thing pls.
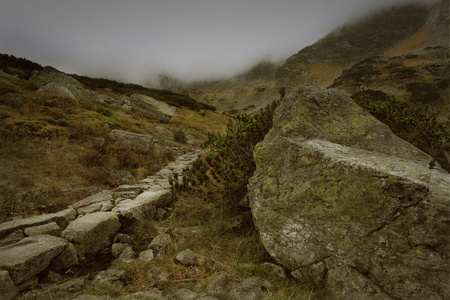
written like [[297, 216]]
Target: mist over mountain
[[190, 40]]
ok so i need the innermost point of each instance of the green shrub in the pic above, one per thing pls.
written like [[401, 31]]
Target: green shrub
[[229, 164], [406, 121]]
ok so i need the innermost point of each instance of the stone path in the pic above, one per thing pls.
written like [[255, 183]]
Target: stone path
[[60, 240]]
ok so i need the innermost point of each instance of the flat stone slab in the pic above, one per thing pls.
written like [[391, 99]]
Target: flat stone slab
[[62, 218], [30, 256], [92, 232], [100, 197], [144, 206]]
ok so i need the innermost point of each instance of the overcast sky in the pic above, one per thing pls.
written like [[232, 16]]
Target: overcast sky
[[134, 40]]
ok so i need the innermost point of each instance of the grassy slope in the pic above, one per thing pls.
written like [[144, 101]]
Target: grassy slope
[[51, 144]]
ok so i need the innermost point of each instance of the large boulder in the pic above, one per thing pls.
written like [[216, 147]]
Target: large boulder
[[53, 81], [31, 256], [152, 108], [93, 232], [136, 141], [344, 204]]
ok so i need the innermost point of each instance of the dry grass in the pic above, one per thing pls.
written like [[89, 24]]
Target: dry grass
[[234, 249], [51, 144]]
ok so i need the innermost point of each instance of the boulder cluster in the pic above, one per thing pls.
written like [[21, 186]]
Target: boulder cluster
[[52, 82]]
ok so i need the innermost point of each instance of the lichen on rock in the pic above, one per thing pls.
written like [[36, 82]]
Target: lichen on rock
[[336, 188]]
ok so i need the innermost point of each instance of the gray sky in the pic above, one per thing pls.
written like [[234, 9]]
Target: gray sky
[[134, 40]]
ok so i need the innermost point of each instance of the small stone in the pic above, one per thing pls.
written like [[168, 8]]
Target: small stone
[[150, 294], [186, 294], [128, 255], [186, 258], [251, 289], [163, 276], [146, 255], [117, 249], [217, 283], [109, 275], [161, 243]]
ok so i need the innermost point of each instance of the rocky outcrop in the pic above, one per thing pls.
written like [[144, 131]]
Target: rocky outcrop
[[54, 82], [51, 80], [152, 108], [347, 206], [136, 141]]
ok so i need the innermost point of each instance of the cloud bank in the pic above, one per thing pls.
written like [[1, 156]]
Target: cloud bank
[[135, 40]]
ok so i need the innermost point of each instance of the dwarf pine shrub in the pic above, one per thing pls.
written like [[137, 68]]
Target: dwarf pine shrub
[[406, 121], [229, 163]]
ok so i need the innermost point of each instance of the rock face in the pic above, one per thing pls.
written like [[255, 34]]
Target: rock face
[[152, 108], [346, 205], [135, 141]]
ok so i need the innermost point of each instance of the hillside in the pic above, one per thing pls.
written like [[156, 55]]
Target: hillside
[[396, 31], [56, 149]]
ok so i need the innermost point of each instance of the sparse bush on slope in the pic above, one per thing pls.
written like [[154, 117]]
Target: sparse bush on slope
[[229, 164], [407, 122]]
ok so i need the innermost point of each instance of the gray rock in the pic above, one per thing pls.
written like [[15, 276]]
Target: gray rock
[[251, 289], [71, 285], [161, 243], [185, 294], [163, 276], [127, 255], [61, 218], [65, 260], [12, 238], [182, 233], [53, 89], [152, 108], [144, 206], [217, 283], [30, 256], [94, 202], [136, 141], [146, 255], [8, 290], [46, 229], [123, 177], [117, 249], [60, 83], [335, 192], [106, 207], [109, 275], [186, 258], [165, 133], [92, 232], [153, 294]]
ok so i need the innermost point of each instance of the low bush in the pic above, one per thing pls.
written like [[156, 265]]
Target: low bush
[[229, 164], [407, 122]]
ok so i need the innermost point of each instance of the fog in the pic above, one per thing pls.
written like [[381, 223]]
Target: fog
[[136, 40]]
